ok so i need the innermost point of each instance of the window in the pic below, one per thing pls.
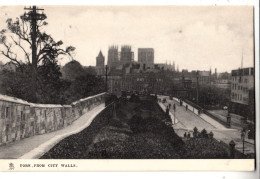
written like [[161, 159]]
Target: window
[[6, 112], [45, 116], [22, 116]]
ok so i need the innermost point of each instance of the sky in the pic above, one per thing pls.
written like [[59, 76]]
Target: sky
[[194, 37]]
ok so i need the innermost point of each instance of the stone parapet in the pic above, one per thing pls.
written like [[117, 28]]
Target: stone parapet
[[20, 119]]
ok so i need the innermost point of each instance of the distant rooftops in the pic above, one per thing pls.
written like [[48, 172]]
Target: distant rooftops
[[243, 72]]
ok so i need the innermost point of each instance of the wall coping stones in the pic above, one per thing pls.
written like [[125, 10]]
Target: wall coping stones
[[67, 106], [20, 101], [20, 119], [84, 99], [13, 99], [45, 105]]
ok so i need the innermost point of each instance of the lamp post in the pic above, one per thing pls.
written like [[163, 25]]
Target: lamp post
[[232, 149], [243, 140], [106, 78], [197, 87], [228, 120]]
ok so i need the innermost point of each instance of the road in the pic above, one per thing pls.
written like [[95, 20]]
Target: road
[[188, 119]]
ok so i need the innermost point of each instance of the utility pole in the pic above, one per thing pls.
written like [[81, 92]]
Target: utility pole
[[33, 16], [106, 78]]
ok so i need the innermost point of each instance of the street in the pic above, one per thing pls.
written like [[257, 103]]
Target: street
[[187, 120]]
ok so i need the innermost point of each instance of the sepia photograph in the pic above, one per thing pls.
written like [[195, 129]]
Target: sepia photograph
[[127, 82]]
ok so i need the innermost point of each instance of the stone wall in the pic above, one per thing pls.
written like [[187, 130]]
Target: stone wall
[[20, 119]]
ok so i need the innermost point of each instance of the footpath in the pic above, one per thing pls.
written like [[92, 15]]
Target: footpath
[[34, 147]]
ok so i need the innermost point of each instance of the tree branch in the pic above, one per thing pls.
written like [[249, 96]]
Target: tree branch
[[19, 45]]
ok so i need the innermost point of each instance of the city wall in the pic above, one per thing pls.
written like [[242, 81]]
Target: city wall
[[20, 119]]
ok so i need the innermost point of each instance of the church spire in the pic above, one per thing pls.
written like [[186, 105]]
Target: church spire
[[100, 54], [242, 59]]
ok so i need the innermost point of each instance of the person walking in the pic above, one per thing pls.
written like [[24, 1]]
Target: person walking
[[188, 135], [167, 111]]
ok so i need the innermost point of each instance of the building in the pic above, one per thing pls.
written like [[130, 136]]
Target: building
[[165, 66], [146, 55], [113, 56], [114, 83], [126, 54], [222, 80], [242, 92], [136, 77], [144, 82], [100, 64], [183, 84], [204, 77]]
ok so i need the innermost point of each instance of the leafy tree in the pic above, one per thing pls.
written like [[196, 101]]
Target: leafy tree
[[50, 85], [84, 86], [210, 96], [72, 70], [16, 45], [17, 83]]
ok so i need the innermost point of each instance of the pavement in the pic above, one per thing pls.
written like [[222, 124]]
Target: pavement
[[36, 146], [188, 119], [173, 118]]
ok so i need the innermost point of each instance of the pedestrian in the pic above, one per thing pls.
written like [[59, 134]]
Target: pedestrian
[[174, 107], [185, 134], [167, 111], [186, 107], [242, 135], [188, 134]]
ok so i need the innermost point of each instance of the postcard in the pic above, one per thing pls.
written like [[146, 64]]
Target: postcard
[[128, 88]]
